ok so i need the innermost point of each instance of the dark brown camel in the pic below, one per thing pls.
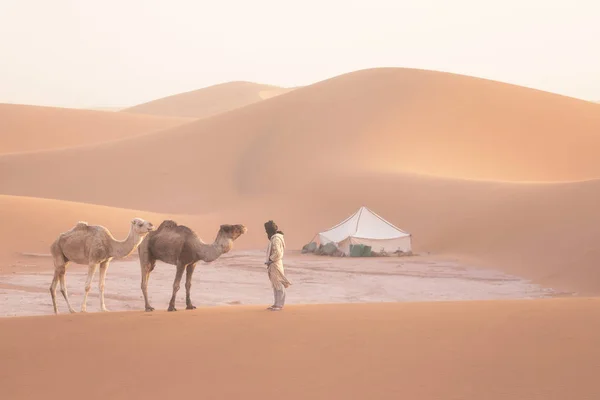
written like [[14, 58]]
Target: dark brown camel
[[179, 245]]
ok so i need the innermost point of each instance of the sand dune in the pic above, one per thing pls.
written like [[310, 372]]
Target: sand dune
[[535, 350], [310, 158], [388, 120], [30, 128], [107, 108], [209, 101]]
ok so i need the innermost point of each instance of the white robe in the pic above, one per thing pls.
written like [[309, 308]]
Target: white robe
[[275, 269]]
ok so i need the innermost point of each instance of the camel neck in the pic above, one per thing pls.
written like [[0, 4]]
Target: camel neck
[[210, 252], [122, 248]]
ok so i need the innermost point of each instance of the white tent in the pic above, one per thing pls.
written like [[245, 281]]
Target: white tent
[[367, 228]]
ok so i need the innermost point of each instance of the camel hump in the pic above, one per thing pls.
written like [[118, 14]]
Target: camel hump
[[172, 226], [81, 225], [167, 224]]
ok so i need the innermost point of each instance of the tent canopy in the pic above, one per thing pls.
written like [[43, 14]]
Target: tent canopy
[[366, 227]]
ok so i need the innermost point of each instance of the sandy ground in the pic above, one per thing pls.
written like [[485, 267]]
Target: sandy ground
[[239, 279], [494, 350]]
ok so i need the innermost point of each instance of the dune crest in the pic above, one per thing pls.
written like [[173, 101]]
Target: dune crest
[[209, 101]]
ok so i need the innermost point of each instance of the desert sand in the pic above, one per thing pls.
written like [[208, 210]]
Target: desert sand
[[238, 278], [31, 128], [209, 101], [527, 349], [497, 184]]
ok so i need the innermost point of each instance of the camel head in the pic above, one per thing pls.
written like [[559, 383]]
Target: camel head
[[141, 227], [227, 234]]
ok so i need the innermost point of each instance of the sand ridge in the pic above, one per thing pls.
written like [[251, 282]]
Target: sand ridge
[[209, 101]]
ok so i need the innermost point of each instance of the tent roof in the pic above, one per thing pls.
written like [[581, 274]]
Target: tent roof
[[363, 224]]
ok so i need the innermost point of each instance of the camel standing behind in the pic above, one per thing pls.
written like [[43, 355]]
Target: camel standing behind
[[91, 245], [179, 245]]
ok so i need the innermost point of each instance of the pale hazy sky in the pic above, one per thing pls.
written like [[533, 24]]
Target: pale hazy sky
[[123, 52]]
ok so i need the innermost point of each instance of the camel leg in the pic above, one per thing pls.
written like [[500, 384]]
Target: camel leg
[[176, 283], [53, 289], [188, 285], [145, 278], [147, 263], [60, 267], [101, 281], [88, 284], [63, 290]]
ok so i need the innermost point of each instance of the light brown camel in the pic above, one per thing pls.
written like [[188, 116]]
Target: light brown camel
[[91, 245], [179, 245]]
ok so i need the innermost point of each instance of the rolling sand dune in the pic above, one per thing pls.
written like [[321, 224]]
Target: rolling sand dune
[[310, 158], [387, 120], [30, 128], [209, 101], [532, 349]]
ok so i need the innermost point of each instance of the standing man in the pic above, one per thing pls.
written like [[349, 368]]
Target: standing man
[[274, 264]]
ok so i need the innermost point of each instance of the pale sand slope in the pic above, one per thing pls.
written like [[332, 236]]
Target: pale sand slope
[[29, 128], [209, 101], [532, 349]]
